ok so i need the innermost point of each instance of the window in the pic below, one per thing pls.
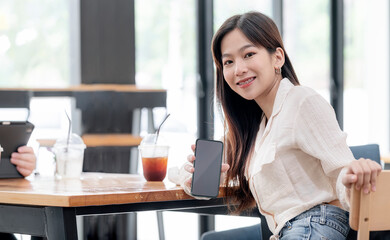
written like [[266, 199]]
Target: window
[[166, 58], [225, 9], [366, 74], [34, 43], [306, 37]]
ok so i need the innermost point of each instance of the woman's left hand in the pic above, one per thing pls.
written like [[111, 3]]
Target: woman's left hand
[[24, 160], [189, 167], [363, 173]]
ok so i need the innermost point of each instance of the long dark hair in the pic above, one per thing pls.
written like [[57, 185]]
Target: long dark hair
[[243, 117]]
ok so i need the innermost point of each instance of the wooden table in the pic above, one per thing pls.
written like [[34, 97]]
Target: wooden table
[[44, 206]]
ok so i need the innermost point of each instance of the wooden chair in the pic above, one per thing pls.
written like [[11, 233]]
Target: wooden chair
[[371, 212], [372, 152]]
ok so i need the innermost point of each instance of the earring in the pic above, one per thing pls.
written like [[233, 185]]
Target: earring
[[278, 70]]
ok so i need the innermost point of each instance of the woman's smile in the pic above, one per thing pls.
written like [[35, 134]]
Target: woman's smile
[[246, 82]]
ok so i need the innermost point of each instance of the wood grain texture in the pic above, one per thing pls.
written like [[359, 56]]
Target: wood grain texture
[[375, 206], [119, 139], [101, 140], [91, 189]]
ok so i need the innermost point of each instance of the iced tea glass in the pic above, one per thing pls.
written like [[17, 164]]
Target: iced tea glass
[[154, 159]]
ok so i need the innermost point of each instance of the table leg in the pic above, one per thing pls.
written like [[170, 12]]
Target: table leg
[[160, 225], [132, 226], [60, 223], [206, 223]]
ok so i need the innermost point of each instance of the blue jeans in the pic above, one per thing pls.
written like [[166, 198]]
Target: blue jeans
[[321, 222]]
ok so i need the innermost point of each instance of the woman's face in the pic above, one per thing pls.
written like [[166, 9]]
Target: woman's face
[[248, 69]]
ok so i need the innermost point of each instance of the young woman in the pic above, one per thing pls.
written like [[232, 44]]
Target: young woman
[[286, 152]]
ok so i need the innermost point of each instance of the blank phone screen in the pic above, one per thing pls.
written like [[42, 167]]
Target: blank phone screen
[[205, 179]]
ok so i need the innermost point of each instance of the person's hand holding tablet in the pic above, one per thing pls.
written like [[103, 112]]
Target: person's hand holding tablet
[[24, 160]]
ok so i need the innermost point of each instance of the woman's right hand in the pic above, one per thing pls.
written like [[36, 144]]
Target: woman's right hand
[[189, 167]]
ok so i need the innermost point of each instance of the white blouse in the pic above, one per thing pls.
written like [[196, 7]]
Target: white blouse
[[298, 157]]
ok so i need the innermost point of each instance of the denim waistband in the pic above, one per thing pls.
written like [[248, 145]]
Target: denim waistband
[[322, 210]]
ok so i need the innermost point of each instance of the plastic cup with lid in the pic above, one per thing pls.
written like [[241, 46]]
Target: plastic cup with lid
[[154, 154], [69, 154]]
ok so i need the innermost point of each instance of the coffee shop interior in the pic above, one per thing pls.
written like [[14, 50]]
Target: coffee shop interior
[[340, 48]]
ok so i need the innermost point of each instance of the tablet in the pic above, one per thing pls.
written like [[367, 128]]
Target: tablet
[[12, 136]]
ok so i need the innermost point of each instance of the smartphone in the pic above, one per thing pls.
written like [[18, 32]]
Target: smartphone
[[207, 164]]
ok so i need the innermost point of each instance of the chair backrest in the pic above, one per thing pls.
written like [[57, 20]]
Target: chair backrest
[[371, 212], [370, 151]]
